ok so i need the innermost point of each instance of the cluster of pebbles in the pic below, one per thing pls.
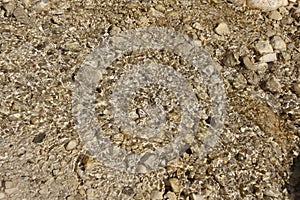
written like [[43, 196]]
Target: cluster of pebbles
[[42, 46]]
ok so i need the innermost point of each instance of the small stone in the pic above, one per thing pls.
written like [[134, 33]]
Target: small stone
[[26, 3], [273, 84], [21, 15], [197, 197], [156, 195], [264, 47], [187, 27], [222, 29], [11, 190], [272, 193], [155, 13], [248, 63], [239, 82], [286, 56], [9, 8], [230, 60], [266, 5], [171, 196], [160, 7], [175, 184], [71, 145], [173, 14], [239, 2], [278, 43], [41, 5], [15, 117], [271, 57], [127, 190], [296, 88], [197, 26], [115, 30], [143, 20], [141, 169], [39, 138], [72, 46], [275, 15]]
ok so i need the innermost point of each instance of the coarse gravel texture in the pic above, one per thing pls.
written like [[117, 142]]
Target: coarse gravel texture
[[42, 45]]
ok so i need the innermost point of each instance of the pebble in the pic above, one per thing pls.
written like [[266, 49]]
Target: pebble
[[11, 190], [272, 193], [175, 184], [278, 43], [266, 4], [286, 56], [155, 13], [271, 57], [264, 47], [171, 196], [222, 29], [273, 84], [71, 145], [72, 46], [115, 30], [156, 195], [230, 60], [21, 16], [296, 88], [197, 26], [248, 63], [275, 15], [9, 7], [160, 7], [197, 197], [239, 82]]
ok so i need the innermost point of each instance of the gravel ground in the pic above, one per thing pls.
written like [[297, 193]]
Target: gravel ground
[[42, 47]]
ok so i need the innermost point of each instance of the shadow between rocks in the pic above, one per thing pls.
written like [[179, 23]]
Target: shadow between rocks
[[293, 184]]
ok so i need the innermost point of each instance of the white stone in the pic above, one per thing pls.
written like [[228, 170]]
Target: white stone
[[197, 26], [155, 13], [266, 4], [271, 57], [197, 197], [156, 195], [171, 196], [275, 15], [278, 43], [264, 47], [222, 29], [71, 145]]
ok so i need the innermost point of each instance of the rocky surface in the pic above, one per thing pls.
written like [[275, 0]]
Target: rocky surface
[[42, 45]]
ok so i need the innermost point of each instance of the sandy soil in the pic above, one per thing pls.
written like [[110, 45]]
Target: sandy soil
[[42, 47]]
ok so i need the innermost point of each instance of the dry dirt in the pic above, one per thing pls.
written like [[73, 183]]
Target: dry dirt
[[42, 46]]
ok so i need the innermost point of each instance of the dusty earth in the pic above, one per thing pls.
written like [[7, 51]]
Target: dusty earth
[[42, 46]]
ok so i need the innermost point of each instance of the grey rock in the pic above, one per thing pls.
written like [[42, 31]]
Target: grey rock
[[21, 15], [222, 29], [271, 57], [264, 47], [273, 84], [278, 43], [275, 15]]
